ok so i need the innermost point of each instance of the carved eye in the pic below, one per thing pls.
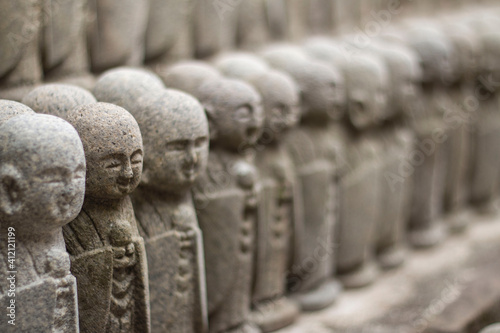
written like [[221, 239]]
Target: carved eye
[[200, 142], [176, 145], [243, 113], [136, 158], [112, 164]]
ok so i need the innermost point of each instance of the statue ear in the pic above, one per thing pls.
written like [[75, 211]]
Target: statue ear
[[145, 176], [11, 190], [212, 128]]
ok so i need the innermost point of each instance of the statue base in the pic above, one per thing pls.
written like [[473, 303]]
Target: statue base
[[391, 257], [273, 314], [360, 277], [319, 298], [428, 237]]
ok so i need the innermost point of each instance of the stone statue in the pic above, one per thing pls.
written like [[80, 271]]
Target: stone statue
[[398, 143], [174, 156], [57, 99], [9, 109], [64, 42], [176, 144], [461, 122], [315, 156], [485, 177], [367, 82], [116, 33], [428, 164], [20, 25], [214, 26], [279, 201], [42, 173], [226, 201], [107, 253], [188, 75], [168, 27]]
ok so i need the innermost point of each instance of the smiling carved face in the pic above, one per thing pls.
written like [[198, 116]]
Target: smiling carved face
[[113, 149]]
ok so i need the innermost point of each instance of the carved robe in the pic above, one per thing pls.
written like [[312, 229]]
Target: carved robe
[[108, 259]]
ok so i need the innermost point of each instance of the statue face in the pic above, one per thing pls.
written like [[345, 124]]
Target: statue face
[[46, 177], [114, 170], [235, 113], [405, 89], [324, 93], [178, 156], [281, 103]]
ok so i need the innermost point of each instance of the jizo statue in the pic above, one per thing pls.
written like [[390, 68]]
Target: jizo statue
[[279, 202], [176, 143], [116, 33], [57, 99], [398, 143], [367, 83], [429, 162], [107, 253], [315, 156], [460, 153], [42, 173], [20, 29], [64, 42], [484, 183], [176, 148], [226, 201]]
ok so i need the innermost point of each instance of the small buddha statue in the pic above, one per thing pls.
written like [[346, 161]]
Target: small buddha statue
[[42, 172], [429, 163], [107, 253], [20, 30], [227, 201], [315, 155], [64, 43], [279, 202], [116, 33]]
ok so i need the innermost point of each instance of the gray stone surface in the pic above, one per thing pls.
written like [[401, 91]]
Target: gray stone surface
[[9, 109], [107, 253], [57, 99], [43, 183], [315, 156], [279, 203]]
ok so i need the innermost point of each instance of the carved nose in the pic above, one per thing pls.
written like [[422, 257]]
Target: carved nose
[[127, 171]]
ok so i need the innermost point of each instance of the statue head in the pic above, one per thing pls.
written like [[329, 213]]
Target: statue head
[[367, 82], [405, 74], [188, 76], [321, 85], [124, 86], [234, 112], [467, 47], [42, 173], [57, 99], [280, 95], [176, 140], [113, 149], [9, 109], [437, 54]]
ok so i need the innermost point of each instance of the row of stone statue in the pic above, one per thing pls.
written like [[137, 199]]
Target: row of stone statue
[[325, 157], [64, 40]]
